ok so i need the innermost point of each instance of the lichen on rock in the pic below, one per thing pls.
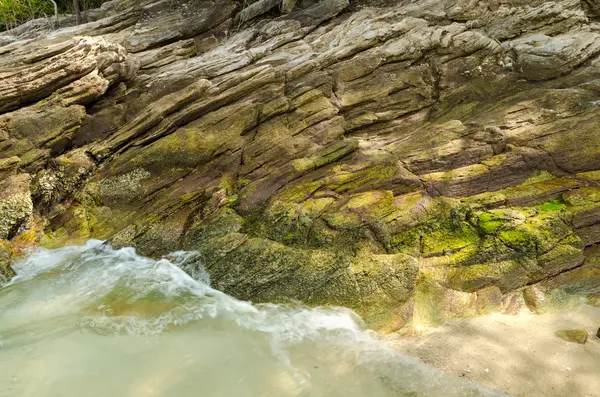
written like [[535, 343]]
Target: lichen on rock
[[6, 272], [573, 335], [369, 154], [16, 207]]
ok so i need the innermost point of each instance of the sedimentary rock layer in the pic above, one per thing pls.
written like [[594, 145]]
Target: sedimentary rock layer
[[380, 155]]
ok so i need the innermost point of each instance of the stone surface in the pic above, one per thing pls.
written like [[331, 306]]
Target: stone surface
[[6, 271], [415, 161], [16, 206], [573, 335], [77, 71]]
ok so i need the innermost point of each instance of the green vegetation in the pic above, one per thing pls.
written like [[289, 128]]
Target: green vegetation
[[551, 206], [15, 12]]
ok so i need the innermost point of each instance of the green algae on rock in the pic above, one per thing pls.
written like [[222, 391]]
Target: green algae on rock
[[373, 157], [6, 272], [573, 335]]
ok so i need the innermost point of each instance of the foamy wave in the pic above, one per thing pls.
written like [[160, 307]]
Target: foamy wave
[[113, 292], [103, 281]]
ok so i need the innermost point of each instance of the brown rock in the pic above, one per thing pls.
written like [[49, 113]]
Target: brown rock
[[103, 62], [573, 335], [534, 298], [16, 207], [469, 145], [6, 272]]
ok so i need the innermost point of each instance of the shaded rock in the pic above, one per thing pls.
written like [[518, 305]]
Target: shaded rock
[[255, 9], [370, 284], [199, 18], [16, 207], [534, 298], [56, 183], [573, 335], [8, 166], [6, 272], [36, 133], [592, 7], [584, 279]]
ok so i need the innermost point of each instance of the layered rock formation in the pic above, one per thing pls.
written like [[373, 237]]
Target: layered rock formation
[[410, 160]]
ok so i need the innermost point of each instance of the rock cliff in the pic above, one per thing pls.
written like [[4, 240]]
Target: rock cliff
[[412, 160]]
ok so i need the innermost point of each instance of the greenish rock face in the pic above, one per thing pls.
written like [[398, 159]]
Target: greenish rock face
[[16, 206], [6, 272], [263, 270], [573, 335], [409, 169], [429, 254]]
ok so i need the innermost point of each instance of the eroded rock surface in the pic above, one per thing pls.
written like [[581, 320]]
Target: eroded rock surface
[[573, 335], [411, 160]]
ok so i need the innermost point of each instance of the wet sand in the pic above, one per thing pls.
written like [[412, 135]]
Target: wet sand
[[519, 354]]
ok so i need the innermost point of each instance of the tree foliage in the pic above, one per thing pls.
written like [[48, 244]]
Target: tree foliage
[[16, 12]]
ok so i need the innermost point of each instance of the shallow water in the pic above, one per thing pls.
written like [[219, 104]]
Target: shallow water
[[92, 321]]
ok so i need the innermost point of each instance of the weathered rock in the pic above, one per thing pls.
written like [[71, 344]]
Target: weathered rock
[[34, 76], [255, 9], [36, 133], [6, 272], [16, 207], [8, 166], [534, 298], [415, 161], [573, 335], [168, 54], [541, 57]]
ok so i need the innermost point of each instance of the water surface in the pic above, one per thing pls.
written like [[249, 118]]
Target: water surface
[[92, 321]]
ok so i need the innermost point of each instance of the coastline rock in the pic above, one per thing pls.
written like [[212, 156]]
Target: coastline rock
[[16, 207], [573, 335], [77, 72], [414, 161], [6, 272]]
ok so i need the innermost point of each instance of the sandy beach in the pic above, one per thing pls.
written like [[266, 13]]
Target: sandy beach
[[519, 354]]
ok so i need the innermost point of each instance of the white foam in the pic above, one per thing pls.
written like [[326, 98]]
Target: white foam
[[96, 288]]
